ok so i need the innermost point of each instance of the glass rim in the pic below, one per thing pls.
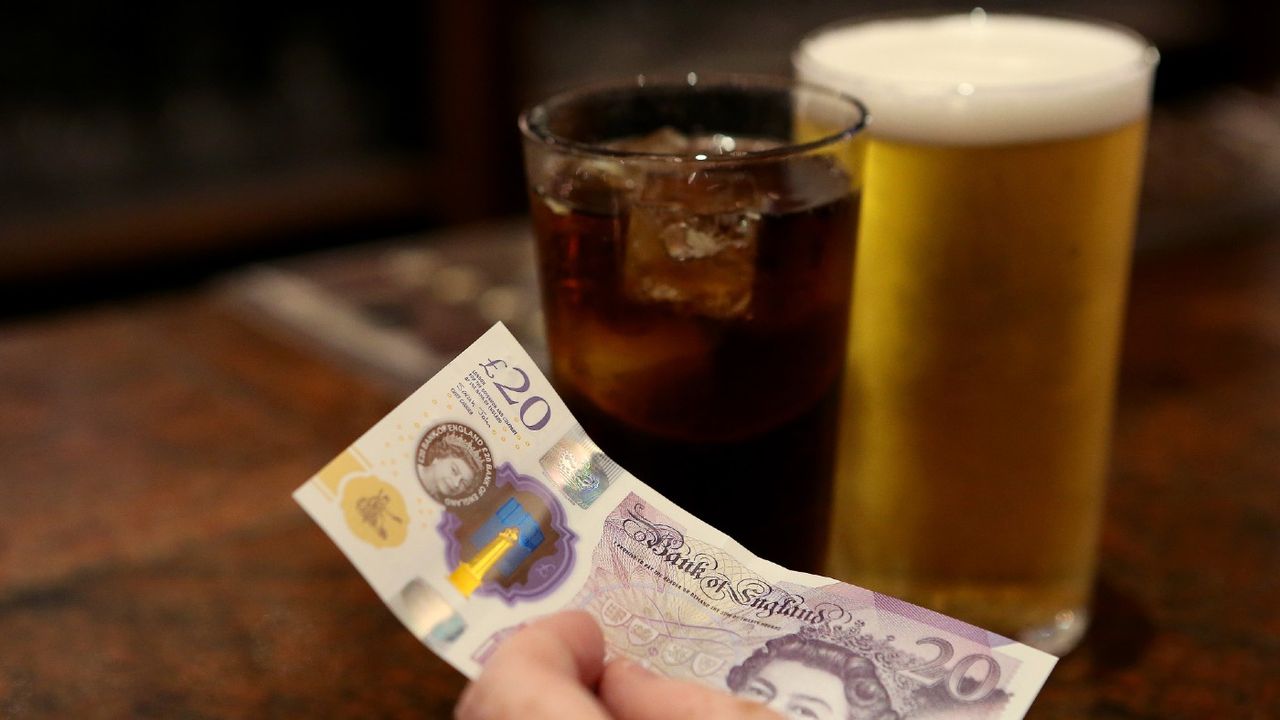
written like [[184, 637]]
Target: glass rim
[[1146, 59], [541, 134]]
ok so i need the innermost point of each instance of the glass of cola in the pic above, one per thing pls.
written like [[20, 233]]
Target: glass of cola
[[695, 242]]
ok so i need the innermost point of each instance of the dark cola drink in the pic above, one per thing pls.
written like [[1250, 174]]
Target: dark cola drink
[[697, 316]]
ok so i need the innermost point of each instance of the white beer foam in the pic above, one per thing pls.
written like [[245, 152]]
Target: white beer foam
[[984, 79]]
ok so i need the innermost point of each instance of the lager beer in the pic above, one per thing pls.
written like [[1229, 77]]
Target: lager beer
[[998, 213]]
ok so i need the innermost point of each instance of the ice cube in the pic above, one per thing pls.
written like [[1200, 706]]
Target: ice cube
[[691, 242], [600, 187], [694, 237], [617, 368], [666, 140]]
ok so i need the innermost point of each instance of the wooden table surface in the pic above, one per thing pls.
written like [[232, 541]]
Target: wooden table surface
[[152, 563]]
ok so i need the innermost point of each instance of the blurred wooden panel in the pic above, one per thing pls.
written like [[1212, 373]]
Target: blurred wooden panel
[[325, 128]]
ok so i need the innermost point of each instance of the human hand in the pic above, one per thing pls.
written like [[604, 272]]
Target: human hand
[[554, 670]]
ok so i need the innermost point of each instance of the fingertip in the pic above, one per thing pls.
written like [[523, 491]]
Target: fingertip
[[581, 634], [622, 681], [580, 624], [625, 665], [466, 707], [547, 670], [629, 690], [567, 642], [629, 670]]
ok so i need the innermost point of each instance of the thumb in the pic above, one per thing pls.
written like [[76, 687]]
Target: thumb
[[544, 672], [629, 692]]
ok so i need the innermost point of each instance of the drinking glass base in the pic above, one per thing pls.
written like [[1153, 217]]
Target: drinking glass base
[[1060, 636]]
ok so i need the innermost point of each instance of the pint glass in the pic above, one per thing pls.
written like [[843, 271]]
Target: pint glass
[[695, 242], [1001, 186]]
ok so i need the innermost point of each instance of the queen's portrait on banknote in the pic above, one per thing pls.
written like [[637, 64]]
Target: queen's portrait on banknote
[[804, 677], [454, 464]]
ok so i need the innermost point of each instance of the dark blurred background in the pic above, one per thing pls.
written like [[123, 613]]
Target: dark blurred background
[[153, 144]]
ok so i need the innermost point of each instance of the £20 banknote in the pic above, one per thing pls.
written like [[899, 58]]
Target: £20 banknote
[[479, 504]]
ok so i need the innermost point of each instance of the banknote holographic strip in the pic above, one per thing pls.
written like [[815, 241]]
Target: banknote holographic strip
[[426, 613], [577, 466]]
